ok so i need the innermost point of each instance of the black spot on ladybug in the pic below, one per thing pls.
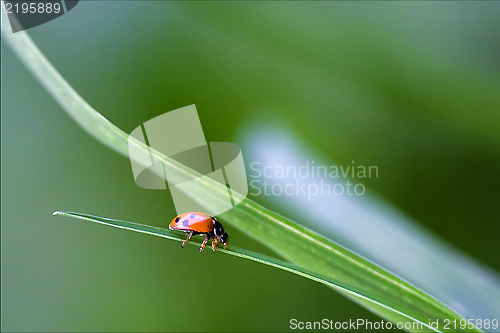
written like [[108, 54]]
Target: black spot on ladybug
[[192, 216], [185, 223], [177, 219]]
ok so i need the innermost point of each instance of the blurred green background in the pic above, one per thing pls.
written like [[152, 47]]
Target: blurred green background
[[413, 88]]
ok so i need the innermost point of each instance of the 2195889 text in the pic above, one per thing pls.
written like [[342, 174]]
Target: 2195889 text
[[32, 7]]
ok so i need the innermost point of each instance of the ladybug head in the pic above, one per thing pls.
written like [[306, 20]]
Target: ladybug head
[[221, 233], [224, 238]]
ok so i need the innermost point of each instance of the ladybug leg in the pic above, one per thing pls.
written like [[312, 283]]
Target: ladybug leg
[[214, 243], [204, 243], [189, 236]]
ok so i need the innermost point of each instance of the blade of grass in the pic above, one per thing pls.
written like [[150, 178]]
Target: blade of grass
[[237, 252], [383, 292], [232, 250]]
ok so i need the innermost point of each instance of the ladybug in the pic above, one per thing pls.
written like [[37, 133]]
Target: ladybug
[[199, 224]]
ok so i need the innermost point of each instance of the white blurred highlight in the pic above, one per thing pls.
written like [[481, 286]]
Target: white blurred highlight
[[377, 230]]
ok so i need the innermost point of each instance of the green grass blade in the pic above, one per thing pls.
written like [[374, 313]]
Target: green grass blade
[[371, 285], [245, 254]]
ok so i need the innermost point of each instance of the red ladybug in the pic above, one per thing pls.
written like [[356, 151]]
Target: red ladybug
[[198, 224]]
